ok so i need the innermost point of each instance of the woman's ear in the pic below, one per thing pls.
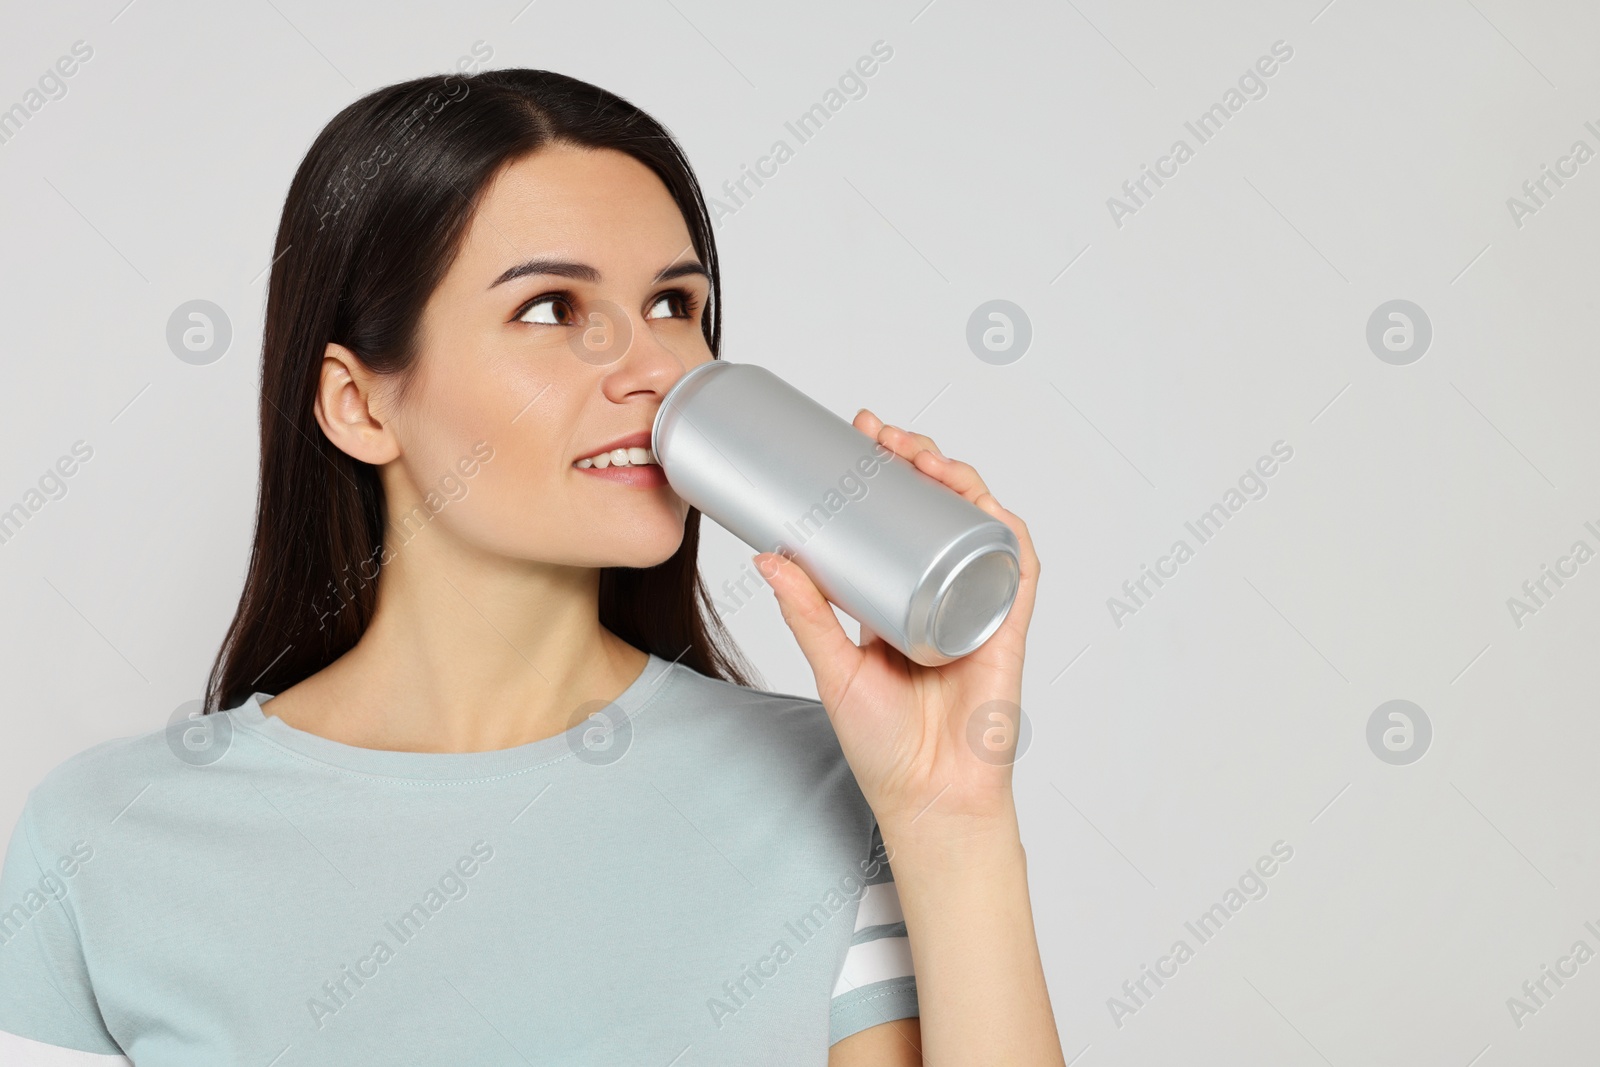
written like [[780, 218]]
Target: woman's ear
[[349, 408]]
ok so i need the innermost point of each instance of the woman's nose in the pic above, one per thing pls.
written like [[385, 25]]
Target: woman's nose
[[637, 358]]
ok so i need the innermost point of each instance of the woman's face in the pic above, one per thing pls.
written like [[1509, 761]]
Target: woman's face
[[573, 306]]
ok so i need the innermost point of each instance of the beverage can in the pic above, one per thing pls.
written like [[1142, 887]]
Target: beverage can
[[904, 555]]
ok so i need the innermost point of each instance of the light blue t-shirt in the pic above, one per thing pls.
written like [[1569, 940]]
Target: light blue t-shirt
[[692, 878]]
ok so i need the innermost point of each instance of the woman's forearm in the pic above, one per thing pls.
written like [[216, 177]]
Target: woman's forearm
[[980, 983]]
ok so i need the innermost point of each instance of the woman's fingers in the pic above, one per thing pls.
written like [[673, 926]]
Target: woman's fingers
[[1028, 580], [908, 443], [923, 454], [867, 423], [829, 650], [959, 476], [963, 478]]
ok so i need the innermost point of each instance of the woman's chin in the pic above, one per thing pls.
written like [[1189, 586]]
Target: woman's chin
[[650, 552]]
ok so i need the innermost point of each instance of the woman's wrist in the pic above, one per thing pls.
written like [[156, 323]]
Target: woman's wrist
[[946, 843]]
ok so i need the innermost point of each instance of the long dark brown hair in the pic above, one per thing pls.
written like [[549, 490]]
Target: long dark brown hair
[[373, 218]]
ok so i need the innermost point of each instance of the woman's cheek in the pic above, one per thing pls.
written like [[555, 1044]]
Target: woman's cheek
[[516, 496]]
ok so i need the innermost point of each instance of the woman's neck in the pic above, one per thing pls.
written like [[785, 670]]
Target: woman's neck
[[467, 654]]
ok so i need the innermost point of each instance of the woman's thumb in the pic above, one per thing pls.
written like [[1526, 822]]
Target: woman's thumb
[[808, 615]]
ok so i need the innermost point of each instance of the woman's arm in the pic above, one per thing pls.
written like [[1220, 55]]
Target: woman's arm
[[980, 983], [946, 812], [891, 1044]]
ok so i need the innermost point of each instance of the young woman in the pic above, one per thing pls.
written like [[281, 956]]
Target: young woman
[[479, 779]]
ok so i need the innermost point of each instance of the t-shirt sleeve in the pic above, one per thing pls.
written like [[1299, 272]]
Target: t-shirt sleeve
[[48, 1013], [876, 983]]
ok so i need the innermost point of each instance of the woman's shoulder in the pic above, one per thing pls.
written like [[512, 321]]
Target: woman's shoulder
[[100, 781], [776, 739], [768, 711]]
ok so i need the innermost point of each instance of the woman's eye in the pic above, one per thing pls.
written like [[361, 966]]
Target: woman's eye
[[550, 310], [669, 306]]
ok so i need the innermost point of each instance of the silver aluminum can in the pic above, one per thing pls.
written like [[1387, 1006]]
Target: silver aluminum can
[[907, 557]]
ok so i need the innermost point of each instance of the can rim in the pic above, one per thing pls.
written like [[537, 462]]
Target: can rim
[[674, 394], [1014, 582], [980, 540]]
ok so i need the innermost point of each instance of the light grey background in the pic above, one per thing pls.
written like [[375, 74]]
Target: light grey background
[[1168, 353]]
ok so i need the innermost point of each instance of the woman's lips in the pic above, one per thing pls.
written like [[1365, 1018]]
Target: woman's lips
[[645, 476], [625, 461]]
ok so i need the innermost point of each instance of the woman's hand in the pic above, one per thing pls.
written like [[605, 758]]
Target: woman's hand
[[905, 728]]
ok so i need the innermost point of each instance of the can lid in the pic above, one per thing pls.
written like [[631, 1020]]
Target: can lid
[[678, 394], [975, 601]]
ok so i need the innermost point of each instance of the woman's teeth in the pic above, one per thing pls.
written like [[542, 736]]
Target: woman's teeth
[[620, 457]]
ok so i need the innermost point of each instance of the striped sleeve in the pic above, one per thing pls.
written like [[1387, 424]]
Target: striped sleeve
[[875, 983], [48, 1014]]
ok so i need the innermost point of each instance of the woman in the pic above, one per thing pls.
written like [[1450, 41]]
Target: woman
[[422, 848]]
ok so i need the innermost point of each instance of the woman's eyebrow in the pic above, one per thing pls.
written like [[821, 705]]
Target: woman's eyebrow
[[584, 273], [580, 271], [679, 270]]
